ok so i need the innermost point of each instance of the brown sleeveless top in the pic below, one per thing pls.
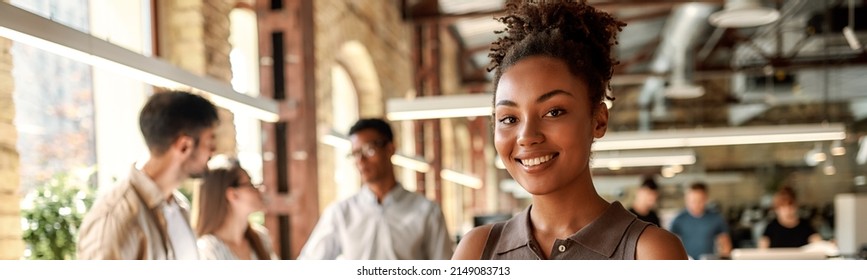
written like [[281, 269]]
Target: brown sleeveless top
[[612, 236]]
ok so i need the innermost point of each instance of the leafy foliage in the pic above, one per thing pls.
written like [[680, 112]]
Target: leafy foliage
[[52, 213]]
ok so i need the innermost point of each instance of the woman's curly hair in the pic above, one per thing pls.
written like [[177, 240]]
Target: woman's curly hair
[[574, 32]]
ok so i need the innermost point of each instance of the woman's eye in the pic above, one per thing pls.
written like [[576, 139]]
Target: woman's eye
[[507, 120], [555, 112]]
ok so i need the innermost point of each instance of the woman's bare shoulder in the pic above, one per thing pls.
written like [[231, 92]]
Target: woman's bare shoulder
[[659, 244], [472, 244]]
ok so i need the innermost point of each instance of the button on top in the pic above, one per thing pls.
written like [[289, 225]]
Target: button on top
[[562, 248]]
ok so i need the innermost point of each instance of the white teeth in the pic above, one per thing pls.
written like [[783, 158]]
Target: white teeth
[[536, 161]]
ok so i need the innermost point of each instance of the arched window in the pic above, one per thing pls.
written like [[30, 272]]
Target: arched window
[[344, 105]]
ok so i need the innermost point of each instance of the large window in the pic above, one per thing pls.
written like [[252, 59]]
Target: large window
[[53, 96], [77, 125]]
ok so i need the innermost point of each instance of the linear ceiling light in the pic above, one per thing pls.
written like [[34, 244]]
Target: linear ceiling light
[[414, 163], [27, 28], [461, 178], [439, 107], [339, 141], [444, 106], [720, 137], [616, 160], [335, 140]]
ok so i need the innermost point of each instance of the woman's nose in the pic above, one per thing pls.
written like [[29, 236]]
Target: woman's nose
[[530, 134]]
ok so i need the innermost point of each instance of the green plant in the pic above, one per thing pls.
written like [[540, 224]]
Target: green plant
[[52, 214]]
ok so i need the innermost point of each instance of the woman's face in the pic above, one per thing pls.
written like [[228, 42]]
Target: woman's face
[[544, 124], [246, 197], [646, 197], [786, 212]]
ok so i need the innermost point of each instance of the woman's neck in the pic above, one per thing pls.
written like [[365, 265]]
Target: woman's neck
[[566, 212], [640, 208], [232, 234], [560, 214], [789, 222], [232, 230]]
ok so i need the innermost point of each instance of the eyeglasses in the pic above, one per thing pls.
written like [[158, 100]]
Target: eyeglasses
[[367, 150], [257, 187]]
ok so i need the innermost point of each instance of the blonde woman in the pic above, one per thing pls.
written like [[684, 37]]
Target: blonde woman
[[225, 201]]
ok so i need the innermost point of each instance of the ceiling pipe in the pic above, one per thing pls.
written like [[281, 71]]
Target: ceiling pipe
[[685, 24]]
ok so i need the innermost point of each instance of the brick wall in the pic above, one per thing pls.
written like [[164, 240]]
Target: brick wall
[[11, 245], [194, 35]]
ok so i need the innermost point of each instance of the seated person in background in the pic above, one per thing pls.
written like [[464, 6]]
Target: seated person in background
[[645, 201], [699, 228], [787, 229], [224, 203]]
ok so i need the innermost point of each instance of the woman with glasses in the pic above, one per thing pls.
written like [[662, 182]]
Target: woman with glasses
[[225, 201]]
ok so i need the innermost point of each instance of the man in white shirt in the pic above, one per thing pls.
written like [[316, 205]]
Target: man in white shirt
[[145, 217], [383, 221]]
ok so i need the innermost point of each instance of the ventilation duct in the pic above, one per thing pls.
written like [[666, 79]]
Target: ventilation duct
[[681, 86], [686, 22]]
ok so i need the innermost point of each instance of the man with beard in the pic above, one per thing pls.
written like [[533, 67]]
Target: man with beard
[[383, 221], [145, 217]]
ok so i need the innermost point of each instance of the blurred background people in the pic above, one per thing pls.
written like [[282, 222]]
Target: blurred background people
[[145, 216], [643, 206], [225, 201], [704, 233], [383, 221], [787, 229]]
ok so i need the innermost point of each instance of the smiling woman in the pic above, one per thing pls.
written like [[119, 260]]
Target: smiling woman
[[552, 71]]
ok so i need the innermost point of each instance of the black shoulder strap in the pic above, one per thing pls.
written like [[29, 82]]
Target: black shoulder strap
[[493, 238]]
